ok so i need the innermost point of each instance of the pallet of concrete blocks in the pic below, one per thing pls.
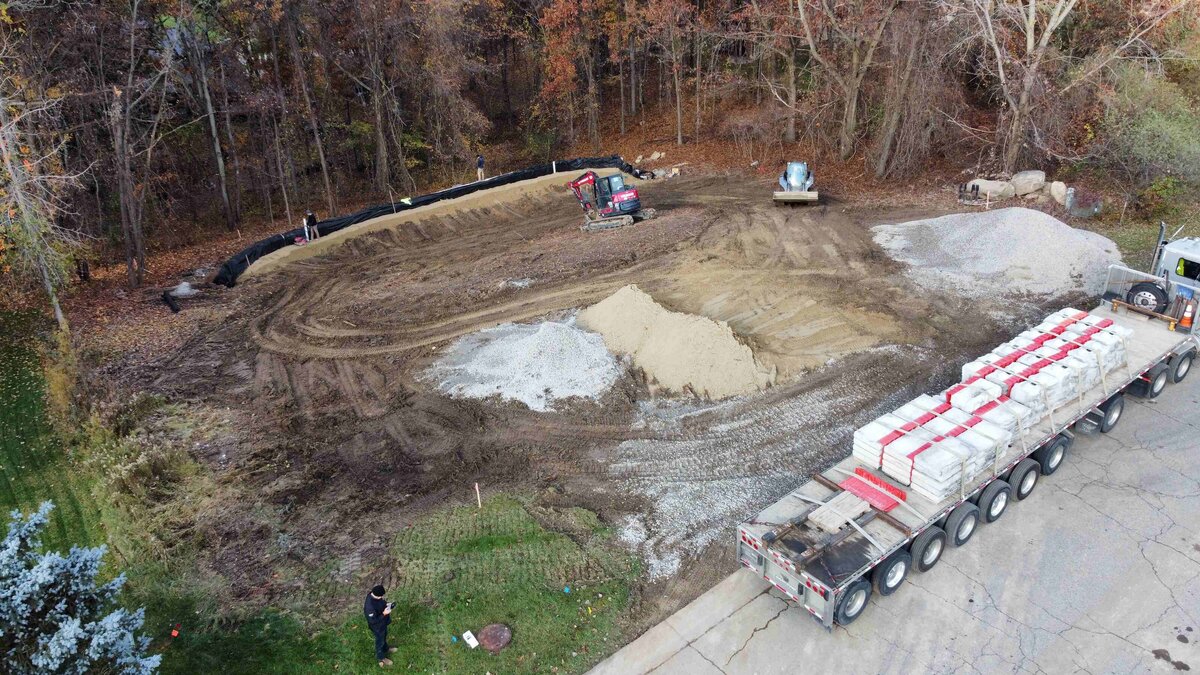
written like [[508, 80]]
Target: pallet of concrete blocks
[[937, 467], [871, 439]]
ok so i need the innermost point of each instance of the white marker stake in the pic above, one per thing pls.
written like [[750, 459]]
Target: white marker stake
[[478, 499]]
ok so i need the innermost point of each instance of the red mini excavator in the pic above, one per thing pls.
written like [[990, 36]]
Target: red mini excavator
[[607, 202]]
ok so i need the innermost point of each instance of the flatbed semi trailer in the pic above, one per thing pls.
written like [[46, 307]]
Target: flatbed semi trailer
[[833, 574]]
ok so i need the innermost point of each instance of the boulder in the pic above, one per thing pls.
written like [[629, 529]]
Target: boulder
[[655, 157], [994, 189], [1025, 182], [1058, 190], [638, 160]]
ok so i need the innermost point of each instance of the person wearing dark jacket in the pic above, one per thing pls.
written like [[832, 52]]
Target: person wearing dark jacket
[[379, 615], [478, 167], [310, 226]]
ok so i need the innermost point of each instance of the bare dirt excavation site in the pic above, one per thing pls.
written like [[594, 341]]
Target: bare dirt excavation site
[[674, 375]]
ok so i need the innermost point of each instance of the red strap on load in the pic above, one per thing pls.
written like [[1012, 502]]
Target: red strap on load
[[875, 498], [881, 483], [1008, 360]]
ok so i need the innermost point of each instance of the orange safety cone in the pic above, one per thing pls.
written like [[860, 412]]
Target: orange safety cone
[[1188, 311]]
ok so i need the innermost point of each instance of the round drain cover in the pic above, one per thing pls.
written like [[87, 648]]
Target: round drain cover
[[495, 637]]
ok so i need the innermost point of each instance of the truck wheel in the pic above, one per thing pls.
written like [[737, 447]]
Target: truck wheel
[[1050, 456], [1147, 295], [853, 603], [962, 523], [927, 548], [1024, 478], [1153, 385], [1180, 365], [994, 500], [892, 572], [1112, 413]]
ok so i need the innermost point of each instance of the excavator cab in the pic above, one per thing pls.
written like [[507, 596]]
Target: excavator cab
[[607, 201]]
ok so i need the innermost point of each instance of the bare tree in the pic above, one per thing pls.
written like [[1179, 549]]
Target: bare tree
[[854, 30], [1018, 34]]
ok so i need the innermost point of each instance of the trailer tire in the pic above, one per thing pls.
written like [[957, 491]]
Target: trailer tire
[[927, 548], [1050, 456], [1147, 295], [994, 500], [853, 603], [1024, 478], [1153, 385], [1180, 365], [890, 573], [962, 523], [1113, 410]]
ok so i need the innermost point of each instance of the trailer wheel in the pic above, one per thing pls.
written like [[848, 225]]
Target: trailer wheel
[[1180, 365], [1050, 456], [962, 523], [1153, 385], [1112, 413], [994, 500], [892, 572], [1147, 295], [853, 603], [927, 548], [1024, 478]]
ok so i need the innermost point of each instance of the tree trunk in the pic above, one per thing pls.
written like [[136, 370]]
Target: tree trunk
[[287, 207], [226, 205], [896, 101], [676, 66], [233, 153], [789, 133], [849, 122], [699, 80], [621, 82], [302, 77], [383, 175]]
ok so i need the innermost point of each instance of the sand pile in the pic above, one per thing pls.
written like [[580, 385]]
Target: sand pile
[[1014, 250], [678, 352], [536, 364]]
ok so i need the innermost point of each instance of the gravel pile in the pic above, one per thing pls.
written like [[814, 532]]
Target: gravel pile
[[536, 364], [1014, 251]]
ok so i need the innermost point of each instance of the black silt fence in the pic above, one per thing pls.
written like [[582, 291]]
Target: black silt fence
[[233, 268]]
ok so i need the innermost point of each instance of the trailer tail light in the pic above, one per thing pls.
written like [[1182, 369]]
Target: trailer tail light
[[748, 540], [816, 588]]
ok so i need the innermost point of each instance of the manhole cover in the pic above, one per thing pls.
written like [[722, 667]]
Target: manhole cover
[[495, 637]]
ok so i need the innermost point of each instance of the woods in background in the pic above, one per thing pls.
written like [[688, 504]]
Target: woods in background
[[125, 120]]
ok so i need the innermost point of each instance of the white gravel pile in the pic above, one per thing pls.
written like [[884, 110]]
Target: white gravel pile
[[536, 364], [1014, 251]]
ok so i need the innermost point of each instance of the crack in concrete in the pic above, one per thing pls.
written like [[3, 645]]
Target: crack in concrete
[[756, 631]]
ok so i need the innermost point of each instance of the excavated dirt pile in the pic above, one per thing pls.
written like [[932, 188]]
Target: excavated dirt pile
[[678, 352]]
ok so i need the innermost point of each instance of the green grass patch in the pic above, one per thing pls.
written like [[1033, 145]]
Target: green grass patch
[[458, 569], [35, 465]]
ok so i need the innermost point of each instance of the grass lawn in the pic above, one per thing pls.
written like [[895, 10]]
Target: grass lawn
[[456, 570], [34, 464]]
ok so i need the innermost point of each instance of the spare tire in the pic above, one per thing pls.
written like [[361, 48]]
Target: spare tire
[[1147, 295]]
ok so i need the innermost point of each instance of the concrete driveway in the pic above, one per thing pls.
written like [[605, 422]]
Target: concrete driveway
[[1097, 571]]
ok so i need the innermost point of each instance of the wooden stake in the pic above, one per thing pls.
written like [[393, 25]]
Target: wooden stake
[[478, 499]]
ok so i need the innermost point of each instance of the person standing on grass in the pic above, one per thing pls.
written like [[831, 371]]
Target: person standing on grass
[[379, 615], [478, 167]]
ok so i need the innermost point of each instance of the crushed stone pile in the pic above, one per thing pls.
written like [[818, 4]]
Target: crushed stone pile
[[1013, 250], [536, 364], [677, 351]]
